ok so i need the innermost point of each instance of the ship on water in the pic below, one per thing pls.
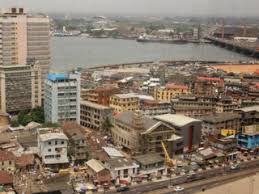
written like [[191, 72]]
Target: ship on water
[[145, 38]]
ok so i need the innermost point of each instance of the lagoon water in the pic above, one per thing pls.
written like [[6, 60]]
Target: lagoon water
[[71, 52]]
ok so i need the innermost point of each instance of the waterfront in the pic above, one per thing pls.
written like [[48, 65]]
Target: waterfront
[[68, 53]]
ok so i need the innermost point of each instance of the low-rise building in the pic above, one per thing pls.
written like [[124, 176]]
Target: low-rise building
[[193, 106], [154, 107], [53, 148], [188, 128], [122, 168], [223, 144], [249, 115], [97, 172], [249, 137], [124, 102], [151, 164], [94, 115], [208, 86], [7, 161], [225, 104], [98, 95], [77, 148], [214, 123], [141, 135], [169, 91]]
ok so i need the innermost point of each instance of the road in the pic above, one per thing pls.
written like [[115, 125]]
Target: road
[[221, 172]]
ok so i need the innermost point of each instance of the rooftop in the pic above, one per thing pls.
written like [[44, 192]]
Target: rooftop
[[95, 165], [51, 136], [57, 76], [121, 162], [5, 178], [249, 109], [5, 155], [220, 117], [127, 118], [209, 79], [176, 119], [149, 159], [129, 95], [112, 152], [176, 86], [93, 105]]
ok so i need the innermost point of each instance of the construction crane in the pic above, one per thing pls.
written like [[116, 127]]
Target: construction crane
[[168, 160]]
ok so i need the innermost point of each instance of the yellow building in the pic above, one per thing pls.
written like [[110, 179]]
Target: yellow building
[[124, 102], [228, 132], [169, 91]]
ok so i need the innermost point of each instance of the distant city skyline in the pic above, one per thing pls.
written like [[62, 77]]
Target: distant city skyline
[[141, 7]]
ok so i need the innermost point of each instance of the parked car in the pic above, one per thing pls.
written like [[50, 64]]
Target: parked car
[[178, 189], [122, 188]]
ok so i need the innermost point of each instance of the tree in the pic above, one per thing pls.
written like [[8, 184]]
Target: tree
[[37, 115], [14, 123], [106, 125], [24, 118]]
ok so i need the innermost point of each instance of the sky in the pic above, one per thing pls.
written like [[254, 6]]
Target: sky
[[150, 7]]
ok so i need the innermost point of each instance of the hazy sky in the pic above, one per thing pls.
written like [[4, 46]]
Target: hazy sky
[[164, 7]]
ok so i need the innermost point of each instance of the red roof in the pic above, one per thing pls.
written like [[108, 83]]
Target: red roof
[[209, 79], [5, 178], [25, 160], [4, 156], [176, 86], [257, 71]]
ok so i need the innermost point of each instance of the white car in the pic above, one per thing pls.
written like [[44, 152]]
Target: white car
[[178, 189]]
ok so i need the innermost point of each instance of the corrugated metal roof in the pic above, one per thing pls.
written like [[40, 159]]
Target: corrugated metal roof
[[95, 165]]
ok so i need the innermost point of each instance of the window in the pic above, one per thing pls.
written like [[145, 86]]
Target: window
[[49, 150], [62, 142], [56, 142], [49, 143], [10, 162]]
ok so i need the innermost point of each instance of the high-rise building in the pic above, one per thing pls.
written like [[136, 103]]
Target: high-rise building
[[20, 87], [24, 37], [62, 98]]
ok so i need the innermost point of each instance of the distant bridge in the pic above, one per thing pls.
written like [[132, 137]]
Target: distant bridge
[[250, 49]]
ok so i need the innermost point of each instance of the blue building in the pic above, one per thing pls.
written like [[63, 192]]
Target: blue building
[[249, 138]]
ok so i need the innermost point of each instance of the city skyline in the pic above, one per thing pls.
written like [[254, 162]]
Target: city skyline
[[142, 7]]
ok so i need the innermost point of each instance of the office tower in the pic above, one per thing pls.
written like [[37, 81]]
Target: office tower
[[20, 87], [62, 98], [24, 37]]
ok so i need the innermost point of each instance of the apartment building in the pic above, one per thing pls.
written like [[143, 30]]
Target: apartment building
[[169, 91], [124, 102], [193, 106], [24, 37], [154, 107], [20, 87], [99, 95], [94, 115], [208, 86], [7, 161], [53, 148], [214, 123], [226, 104], [62, 98], [77, 147]]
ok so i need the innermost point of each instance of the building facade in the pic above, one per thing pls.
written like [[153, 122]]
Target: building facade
[[213, 124], [169, 91], [94, 115], [24, 37], [98, 95], [208, 86], [62, 98], [53, 148], [249, 137], [124, 102], [20, 87], [141, 135]]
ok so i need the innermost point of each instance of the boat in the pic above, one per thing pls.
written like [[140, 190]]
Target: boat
[[145, 39]]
